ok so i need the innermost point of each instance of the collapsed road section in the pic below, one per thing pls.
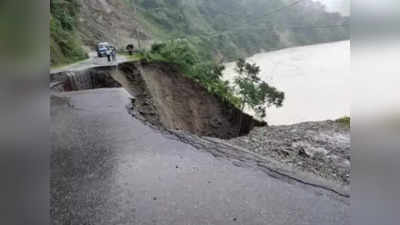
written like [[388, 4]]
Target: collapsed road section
[[164, 97]]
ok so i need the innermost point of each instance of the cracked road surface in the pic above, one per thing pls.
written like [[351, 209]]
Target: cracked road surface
[[109, 168]]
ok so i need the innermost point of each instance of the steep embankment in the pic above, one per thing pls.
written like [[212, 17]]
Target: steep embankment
[[164, 97]]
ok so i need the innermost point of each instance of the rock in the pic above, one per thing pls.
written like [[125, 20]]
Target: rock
[[307, 149], [318, 152], [316, 147]]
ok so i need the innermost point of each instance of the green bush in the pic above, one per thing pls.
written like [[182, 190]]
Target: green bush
[[344, 120], [206, 73], [65, 46]]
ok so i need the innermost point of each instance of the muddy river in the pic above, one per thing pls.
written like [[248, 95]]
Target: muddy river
[[314, 78]]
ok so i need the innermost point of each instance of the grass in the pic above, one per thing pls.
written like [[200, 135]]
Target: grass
[[134, 57], [62, 65], [344, 120]]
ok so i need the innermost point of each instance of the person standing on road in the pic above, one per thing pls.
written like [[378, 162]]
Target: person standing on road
[[108, 53], [114, 54], [130, 48]]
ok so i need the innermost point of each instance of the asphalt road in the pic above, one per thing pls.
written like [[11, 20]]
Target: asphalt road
[[108, 168], [92, 61]]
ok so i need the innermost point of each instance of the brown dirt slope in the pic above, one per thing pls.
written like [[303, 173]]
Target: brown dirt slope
[[182, 104]]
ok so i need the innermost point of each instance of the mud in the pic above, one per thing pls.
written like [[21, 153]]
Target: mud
[[321, 148], [164, 97], [185, 105]]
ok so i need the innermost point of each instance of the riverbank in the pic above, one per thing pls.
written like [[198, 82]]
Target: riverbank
[[315, 79], [321, 148]]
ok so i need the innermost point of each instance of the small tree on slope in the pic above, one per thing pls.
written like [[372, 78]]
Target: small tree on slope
[[253, 92]]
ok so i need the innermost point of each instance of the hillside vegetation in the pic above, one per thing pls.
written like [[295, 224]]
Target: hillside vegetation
[[217, 29], [238, 28], [65, 45]]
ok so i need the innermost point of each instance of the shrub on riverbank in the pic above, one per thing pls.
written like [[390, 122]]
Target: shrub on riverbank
[[207, 73], [344, 120]]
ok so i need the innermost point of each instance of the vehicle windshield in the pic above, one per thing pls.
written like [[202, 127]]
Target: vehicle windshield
[[103, 45]]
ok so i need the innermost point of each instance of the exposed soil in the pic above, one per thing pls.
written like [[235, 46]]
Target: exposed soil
[[164, 97], [321, 148], [185, 105]]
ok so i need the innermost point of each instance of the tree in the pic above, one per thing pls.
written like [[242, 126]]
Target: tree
[[253, 92]]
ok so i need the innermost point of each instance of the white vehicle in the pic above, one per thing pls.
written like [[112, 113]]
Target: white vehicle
[[102, 48]]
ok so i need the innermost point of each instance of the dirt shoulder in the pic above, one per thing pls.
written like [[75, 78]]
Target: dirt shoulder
[[321, 148]]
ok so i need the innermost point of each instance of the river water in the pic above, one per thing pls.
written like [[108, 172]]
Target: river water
[[315, 80]]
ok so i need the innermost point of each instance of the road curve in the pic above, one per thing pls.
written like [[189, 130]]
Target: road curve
[[109, 168]]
